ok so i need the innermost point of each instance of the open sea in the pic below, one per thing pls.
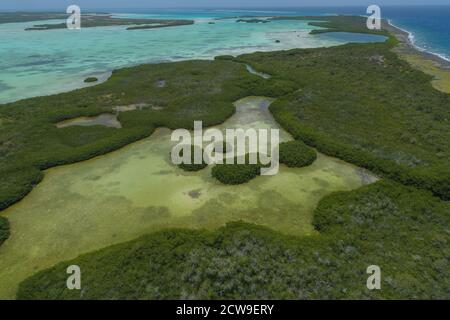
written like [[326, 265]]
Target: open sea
[[35, 63]]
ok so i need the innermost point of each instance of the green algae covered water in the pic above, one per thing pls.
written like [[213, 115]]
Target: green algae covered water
[[117, 197]]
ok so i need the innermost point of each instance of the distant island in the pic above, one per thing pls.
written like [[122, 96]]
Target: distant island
[[253, 20], [90, 20]]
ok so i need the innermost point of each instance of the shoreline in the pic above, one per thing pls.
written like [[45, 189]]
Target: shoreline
[[406, 38], [418, 48], [430, 63]]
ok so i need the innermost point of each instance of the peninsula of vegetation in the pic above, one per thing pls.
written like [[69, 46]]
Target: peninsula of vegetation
[[235, 174], [361, 103], [90, 80]]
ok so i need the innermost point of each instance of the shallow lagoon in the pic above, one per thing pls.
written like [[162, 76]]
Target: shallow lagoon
[[117, 197]]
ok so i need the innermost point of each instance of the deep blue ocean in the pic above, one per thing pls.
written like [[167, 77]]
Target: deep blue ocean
[[429, 26]]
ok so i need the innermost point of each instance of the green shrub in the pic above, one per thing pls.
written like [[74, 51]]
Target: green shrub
[[296, 154], [234, 174], [4, 230], [90, 79]]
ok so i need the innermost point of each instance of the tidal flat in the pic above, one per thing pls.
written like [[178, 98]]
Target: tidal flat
[[136, 190]]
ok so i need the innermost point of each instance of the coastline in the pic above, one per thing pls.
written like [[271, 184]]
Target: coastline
[[407, 37], [428, 62]]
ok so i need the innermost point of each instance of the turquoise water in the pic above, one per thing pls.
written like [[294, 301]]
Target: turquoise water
[[36, 63], [427, 24]]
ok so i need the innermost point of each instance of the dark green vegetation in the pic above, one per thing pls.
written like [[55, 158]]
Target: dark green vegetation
[[105, 20], [234, 174], [192, 167], [401, 229], [193, 91], [296, 154], [90, 79], [4, 230]]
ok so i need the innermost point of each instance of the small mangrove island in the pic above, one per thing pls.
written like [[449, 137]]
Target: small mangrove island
[[296, 154], [236, 173], [90, 79]]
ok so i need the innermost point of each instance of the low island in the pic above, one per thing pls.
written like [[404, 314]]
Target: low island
[[90, 79], [97, 20]]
